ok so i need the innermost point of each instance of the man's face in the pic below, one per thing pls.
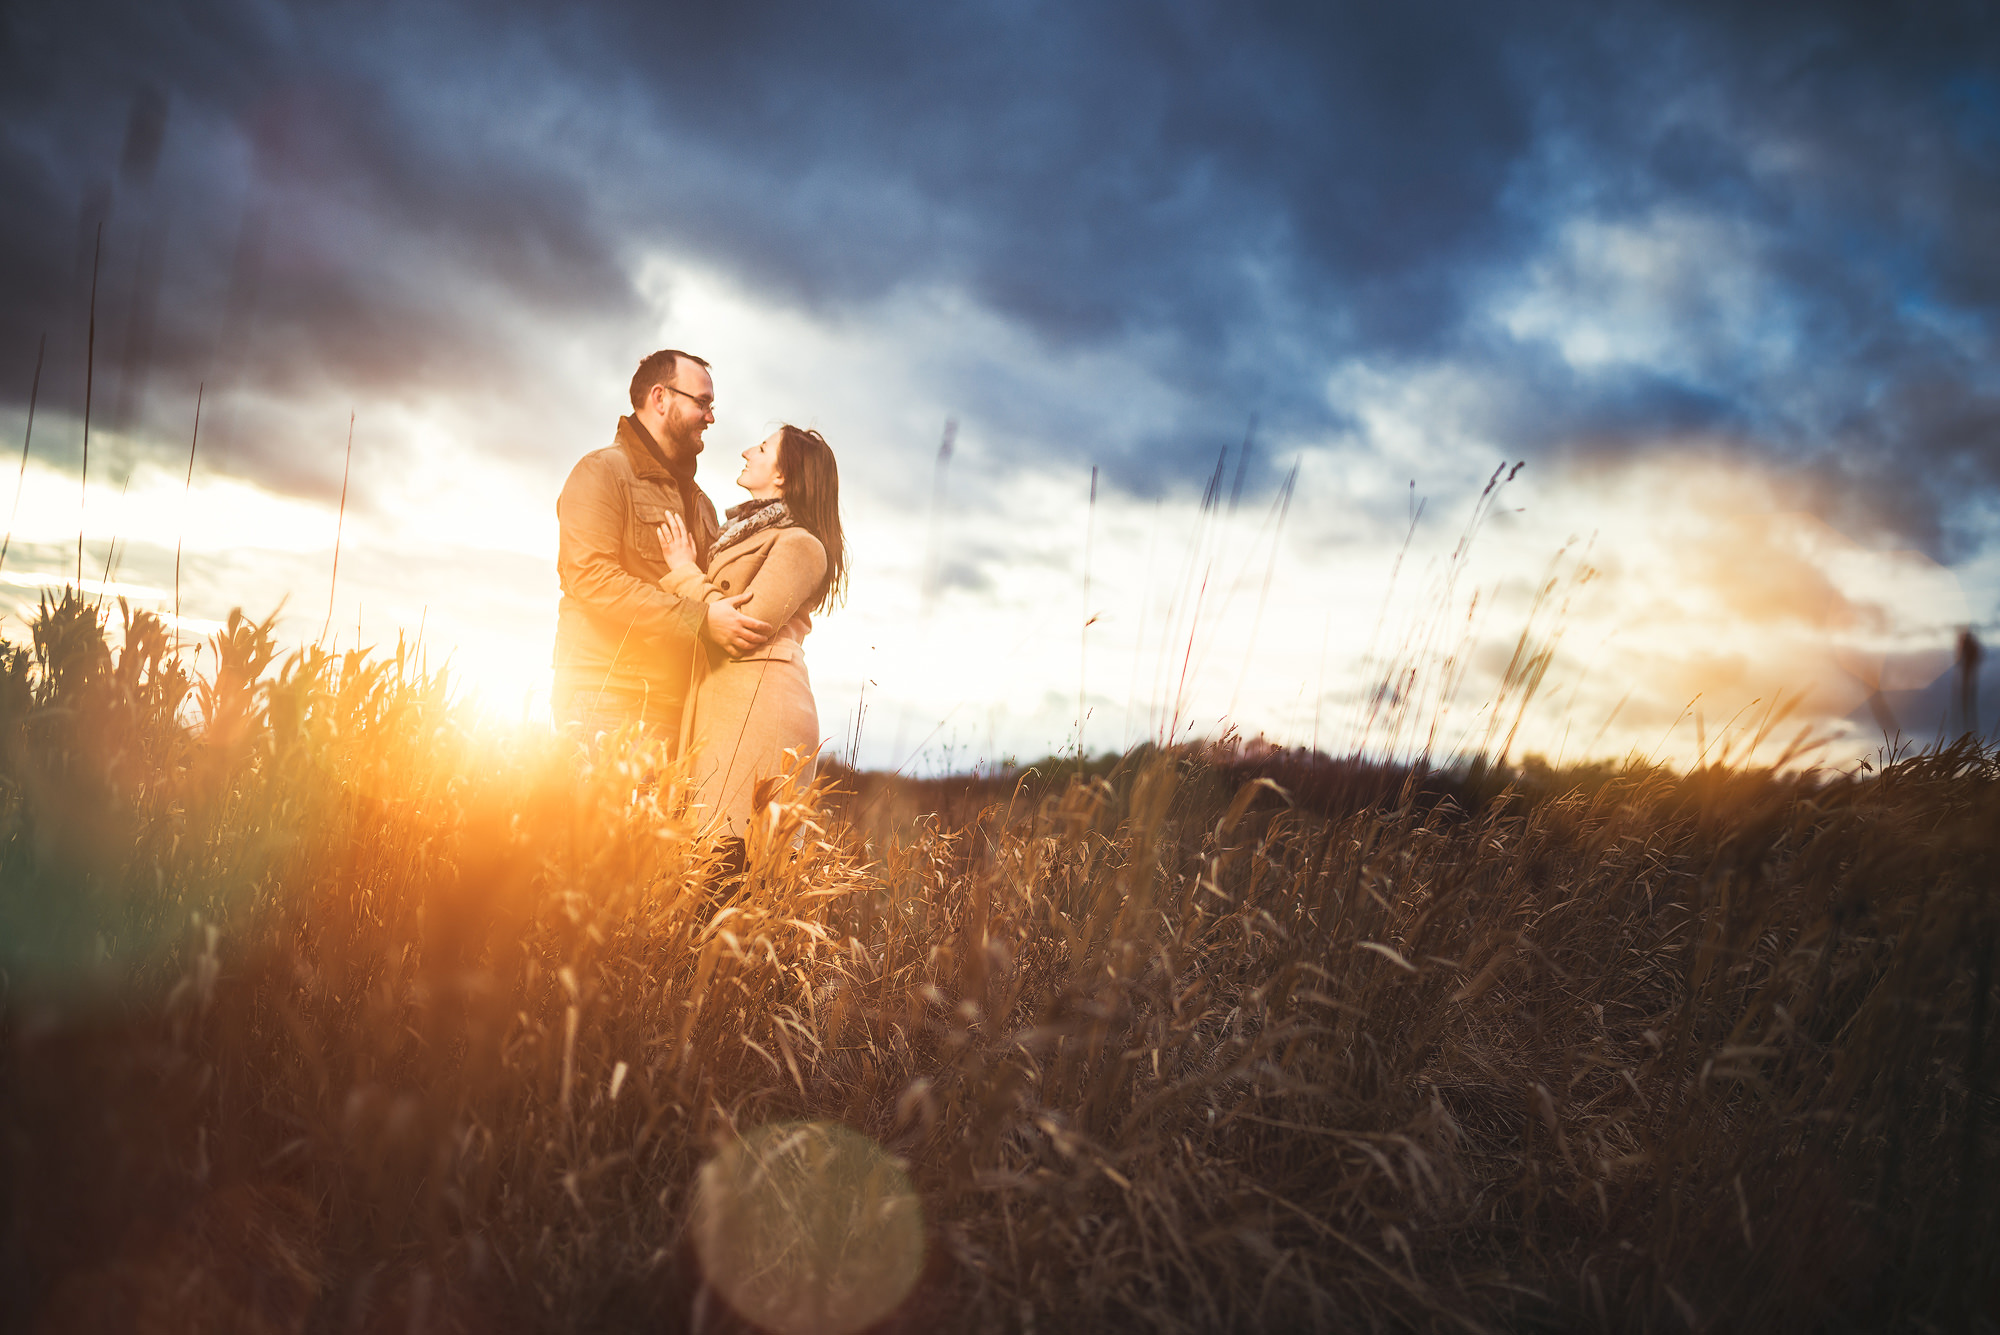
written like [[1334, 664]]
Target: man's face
[[688, 406]]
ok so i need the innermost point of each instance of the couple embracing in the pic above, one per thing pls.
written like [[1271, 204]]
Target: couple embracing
[[692, 629]]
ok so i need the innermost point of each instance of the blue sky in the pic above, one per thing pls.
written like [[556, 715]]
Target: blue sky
[[1688, 264]]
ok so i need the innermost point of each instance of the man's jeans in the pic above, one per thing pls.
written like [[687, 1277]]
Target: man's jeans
[[593, 711]]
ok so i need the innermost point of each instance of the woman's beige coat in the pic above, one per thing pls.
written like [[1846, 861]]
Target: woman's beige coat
[[744, 714]]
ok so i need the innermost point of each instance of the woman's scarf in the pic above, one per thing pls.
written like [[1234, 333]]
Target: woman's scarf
[[752, 516]]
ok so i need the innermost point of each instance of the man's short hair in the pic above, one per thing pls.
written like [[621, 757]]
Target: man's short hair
[[659, 369]]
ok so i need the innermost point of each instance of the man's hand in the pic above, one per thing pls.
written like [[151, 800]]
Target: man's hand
[[735, 630]]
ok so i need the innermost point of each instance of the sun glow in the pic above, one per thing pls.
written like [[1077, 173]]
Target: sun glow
[[1717, 598]]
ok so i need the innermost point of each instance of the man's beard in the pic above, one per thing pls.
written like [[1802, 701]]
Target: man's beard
[[682, 442]]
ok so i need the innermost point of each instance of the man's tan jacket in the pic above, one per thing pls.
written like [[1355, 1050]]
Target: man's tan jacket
[[616, 627]]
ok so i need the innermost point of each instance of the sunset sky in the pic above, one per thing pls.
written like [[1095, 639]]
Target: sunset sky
[[1724, 284]]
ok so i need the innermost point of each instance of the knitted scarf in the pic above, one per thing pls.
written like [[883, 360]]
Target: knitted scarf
[[752, 516]]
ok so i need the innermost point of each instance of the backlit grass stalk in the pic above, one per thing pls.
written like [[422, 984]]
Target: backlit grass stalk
[[89, 388], [187, 490], [339, 527], [27, 439]]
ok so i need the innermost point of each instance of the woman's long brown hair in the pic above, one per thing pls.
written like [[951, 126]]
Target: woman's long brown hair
[[812, 496]]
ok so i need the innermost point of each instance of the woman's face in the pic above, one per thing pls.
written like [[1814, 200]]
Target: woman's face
[[760, 476]]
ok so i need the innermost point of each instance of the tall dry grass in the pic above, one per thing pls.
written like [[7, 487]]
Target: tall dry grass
[[325, 1011]]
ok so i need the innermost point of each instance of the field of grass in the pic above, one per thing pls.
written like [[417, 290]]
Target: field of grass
[[326, 1011]]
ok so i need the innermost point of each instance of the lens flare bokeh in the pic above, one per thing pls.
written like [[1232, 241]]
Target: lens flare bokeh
[[808, 1228]]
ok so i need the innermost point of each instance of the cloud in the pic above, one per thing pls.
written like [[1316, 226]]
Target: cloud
[[1609, 229]]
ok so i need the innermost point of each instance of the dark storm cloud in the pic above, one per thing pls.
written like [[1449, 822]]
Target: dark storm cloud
[[276, 219], [1243, 198], [1859, 145]]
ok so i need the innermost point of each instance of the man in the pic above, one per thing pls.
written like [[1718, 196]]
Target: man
[[624, 646]]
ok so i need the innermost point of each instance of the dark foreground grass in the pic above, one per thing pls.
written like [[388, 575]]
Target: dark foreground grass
[[327, 1013]]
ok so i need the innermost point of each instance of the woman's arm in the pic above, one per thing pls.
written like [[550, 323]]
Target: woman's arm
[[688, 582], [791, 573], [726, 625]]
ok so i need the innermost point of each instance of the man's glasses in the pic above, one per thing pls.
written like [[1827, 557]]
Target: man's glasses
[[707, 405]]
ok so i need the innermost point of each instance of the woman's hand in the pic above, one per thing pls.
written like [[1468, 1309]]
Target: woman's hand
[[675, 544]]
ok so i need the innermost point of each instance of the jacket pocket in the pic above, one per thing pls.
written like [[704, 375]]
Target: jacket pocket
[[644, 539]]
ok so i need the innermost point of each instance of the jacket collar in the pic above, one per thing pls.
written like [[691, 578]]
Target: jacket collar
[[647, 458]]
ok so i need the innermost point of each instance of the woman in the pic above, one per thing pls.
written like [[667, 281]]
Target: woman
[[783, 547]]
